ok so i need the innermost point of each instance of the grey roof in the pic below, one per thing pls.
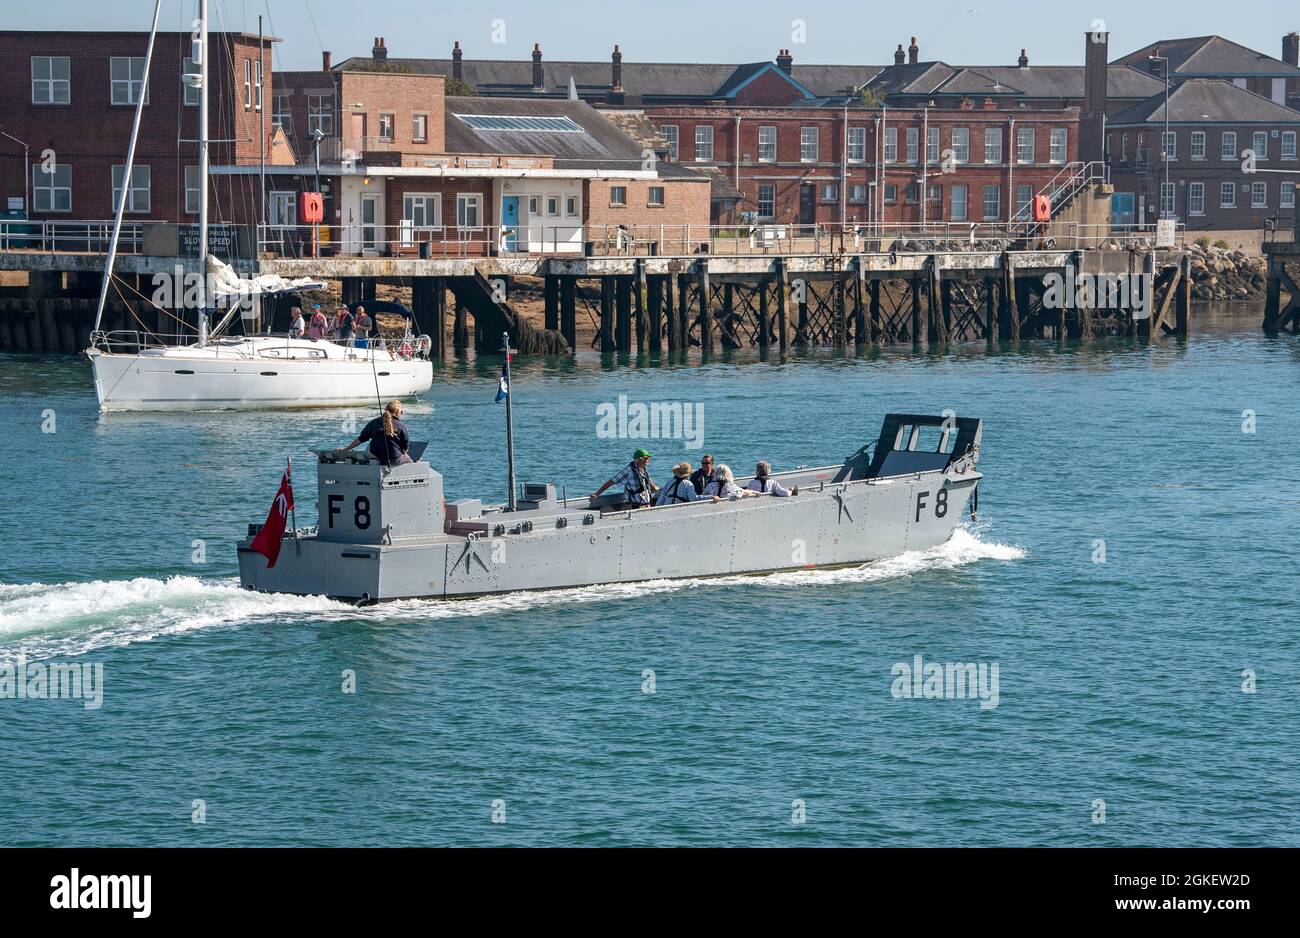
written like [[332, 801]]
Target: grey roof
[[1211, 57], [1033, 81], [646, 79], [1206, 101]]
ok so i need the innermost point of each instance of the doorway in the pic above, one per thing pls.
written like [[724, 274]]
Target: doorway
[[807, 203]]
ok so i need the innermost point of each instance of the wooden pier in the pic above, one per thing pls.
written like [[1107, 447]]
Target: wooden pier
[[653, 304]]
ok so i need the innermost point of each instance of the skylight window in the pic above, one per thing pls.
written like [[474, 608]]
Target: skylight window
[[503, 122]]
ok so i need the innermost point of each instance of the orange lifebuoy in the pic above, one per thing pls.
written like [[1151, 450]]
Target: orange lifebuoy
[[1042, 208]]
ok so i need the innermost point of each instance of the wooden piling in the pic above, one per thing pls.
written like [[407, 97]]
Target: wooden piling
[[623, 302], [706, 315], [607, 314], [782, 299], [551, 300], [764, 321], [655, 308], [640, 295], [568, 318]]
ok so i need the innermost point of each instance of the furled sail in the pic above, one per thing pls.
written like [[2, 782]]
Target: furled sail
[[224, 282]]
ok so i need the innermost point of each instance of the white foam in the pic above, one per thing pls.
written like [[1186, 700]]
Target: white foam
[[43, 621]]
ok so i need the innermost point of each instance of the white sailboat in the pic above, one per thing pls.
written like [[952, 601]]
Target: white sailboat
[[216, 370]]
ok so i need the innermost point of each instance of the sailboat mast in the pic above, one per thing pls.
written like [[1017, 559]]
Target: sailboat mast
[[203, 171], [126, 171]]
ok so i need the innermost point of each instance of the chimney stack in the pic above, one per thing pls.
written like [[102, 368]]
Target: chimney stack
[[380, 52], [326, 61], [456, 70], [1092, 120], [616, 70], [913, 52], [1291, 49], [785, 61], [538, 83], [1023, 61]]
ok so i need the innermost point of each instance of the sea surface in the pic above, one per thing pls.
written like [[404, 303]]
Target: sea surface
[[1132, 575]]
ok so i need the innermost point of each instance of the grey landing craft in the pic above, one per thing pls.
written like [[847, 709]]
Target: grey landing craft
[[386, 533]]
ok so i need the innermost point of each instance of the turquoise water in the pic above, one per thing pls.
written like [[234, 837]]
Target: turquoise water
[[1119, 681]]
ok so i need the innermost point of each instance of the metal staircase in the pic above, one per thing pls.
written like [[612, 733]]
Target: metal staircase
[[1063, 187]]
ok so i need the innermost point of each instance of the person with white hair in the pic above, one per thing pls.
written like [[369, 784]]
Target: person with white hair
[[764, 484], [724, 486]]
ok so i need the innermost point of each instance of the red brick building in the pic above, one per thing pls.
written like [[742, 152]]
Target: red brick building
[[70, 97]]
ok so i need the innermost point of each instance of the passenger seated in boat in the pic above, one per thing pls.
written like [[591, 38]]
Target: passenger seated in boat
[[680, 489], [635, 479], [724, 486], [319, 326], [763, 484], [388, 436], [363, 324], [297, 325], [703, 475]]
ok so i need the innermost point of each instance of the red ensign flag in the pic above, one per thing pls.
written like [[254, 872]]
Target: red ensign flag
[[268, 540]]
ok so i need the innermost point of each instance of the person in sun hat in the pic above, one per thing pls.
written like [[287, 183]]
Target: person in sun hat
[[635, 479], [680, 489]]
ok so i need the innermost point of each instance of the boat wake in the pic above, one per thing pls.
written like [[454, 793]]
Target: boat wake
[[47, 621]]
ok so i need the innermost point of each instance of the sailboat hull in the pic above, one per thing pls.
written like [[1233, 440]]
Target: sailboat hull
[[205, 379]]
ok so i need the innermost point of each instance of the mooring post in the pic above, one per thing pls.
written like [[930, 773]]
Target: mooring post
[[1272, 295], [670, 312], [990, 306], [684, 311], [706, 316], [724, 321], [641, 299], [860, 333], [935, 301], [782, 298], [875, 310], [552, 301], [655, 309], [801, 330], [915, 283], [607, 313], [568, 319], [1183, 307], [623, 301], [764, 324]]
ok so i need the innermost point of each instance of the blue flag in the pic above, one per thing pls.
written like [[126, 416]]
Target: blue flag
[[503, 386]]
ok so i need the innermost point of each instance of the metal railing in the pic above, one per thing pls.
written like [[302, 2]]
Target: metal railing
[[135, 341], [70, 237]]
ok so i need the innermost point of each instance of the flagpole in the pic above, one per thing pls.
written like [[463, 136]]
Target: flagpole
[[510, 423], [293, 510]]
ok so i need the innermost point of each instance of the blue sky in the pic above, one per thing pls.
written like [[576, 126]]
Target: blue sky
[[959, 31]]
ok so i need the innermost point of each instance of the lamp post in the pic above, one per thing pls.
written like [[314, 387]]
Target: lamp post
[[27, 174], [1164, 139]]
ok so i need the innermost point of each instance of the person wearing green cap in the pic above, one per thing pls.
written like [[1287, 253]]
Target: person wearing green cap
[[635, 479]]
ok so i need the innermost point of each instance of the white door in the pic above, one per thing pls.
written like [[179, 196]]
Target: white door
[[370, 234]]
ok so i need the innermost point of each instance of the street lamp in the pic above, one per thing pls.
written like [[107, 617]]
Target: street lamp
[[1164, 140], [27, 174]]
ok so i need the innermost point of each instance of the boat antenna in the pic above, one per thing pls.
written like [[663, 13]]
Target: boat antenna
[[510, 420], [126, 172]]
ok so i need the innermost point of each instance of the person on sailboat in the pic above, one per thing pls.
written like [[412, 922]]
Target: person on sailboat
[[388, 437], [363, 324], [343, 326], [319, 325], [297, 325]]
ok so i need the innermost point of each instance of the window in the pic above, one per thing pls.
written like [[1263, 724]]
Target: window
[[1025, 145], [191, 190], [553, 206], [1024, 198], [891, 144], [1057, 145], [670, 134], [420, 128], [320, 114], [1196, 198], [1259, 195], [961, 144], [891, 192], [703, 144], [507, 122], [137, 194], [1259, 143], [618, 194], [767, 201], [767, 144], [282, 112], [932, 145], [808, 144], [126, 78], [385, 126], [830, 192], [858, 144], [420, 211], [857, 193], [248, 83], [50, 83], [656, 197], [282, 208], [259, 84], [992, 144], [52, 191], [1228, 145], [992, 198], [1288, 144], [469, 210], [534, 206], [1167, 200], [1123, 148], [1288, 195], [1228, 195], [1198, 145], [912, 193], [958, 210], [913, 144], [571, 206], [1169, 146]]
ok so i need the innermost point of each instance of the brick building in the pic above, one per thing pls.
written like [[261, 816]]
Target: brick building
[[71, 96], [1212, 185]]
